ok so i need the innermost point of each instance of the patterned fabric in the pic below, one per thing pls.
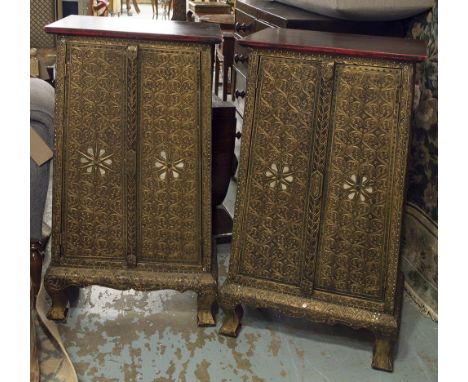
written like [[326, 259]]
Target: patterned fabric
[[419, 259], [423, 172], [419, 247], [41, 13]]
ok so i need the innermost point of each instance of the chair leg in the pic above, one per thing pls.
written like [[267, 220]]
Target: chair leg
[[233, 85], [36, 258], [225, 80], [216, 77]]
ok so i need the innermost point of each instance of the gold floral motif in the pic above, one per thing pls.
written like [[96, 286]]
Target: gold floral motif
[[279, 176], [358, 186], [96, 160], [167, 166]]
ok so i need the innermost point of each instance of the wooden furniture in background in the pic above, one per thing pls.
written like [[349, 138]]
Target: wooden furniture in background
[[223, 166], [224, 53], [209, 7], [132, 170], [224, 58], [179, 9], [322, 181]]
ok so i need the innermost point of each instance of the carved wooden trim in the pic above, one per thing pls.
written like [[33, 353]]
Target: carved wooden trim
[[132, 123]]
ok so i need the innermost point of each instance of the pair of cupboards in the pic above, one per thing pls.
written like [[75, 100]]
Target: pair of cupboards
[[321, 183], [322, 180], [132, 172]]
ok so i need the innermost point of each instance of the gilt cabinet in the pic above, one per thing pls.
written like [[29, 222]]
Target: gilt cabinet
[[322, 181], [132, 169]]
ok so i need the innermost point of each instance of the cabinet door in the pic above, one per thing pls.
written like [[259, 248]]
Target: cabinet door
[[359, 245], [90, 165], [279, 183], [174, 156]]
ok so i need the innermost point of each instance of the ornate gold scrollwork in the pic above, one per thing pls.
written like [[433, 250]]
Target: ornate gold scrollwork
[[348, 187]]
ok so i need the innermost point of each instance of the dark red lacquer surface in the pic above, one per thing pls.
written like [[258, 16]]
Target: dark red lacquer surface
[[135, 28], [338, 43]]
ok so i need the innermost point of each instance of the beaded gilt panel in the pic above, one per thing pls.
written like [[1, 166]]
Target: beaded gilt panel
[[170, 157], [272, 244], [93, 211], [365, 121]]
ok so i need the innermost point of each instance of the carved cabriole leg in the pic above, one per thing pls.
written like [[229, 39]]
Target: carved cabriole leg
[[36, 257], [382, 358], [232, 320], [206, 306], [58, 310]]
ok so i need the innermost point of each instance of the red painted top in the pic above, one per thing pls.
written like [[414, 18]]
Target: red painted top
[[338, 43], [136, 28]]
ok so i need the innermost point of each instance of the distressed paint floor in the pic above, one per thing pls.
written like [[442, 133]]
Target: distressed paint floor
[[137, 336], [153, 337]]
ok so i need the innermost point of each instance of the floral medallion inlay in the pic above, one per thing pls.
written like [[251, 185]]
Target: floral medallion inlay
[[168, 167], [95, 160], [358, 187], [279, 176]]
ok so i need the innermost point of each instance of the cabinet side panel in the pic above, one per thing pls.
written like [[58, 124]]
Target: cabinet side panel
[[57, 185], [170, 164], [94, 147], [273, 220], [359, 186]]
